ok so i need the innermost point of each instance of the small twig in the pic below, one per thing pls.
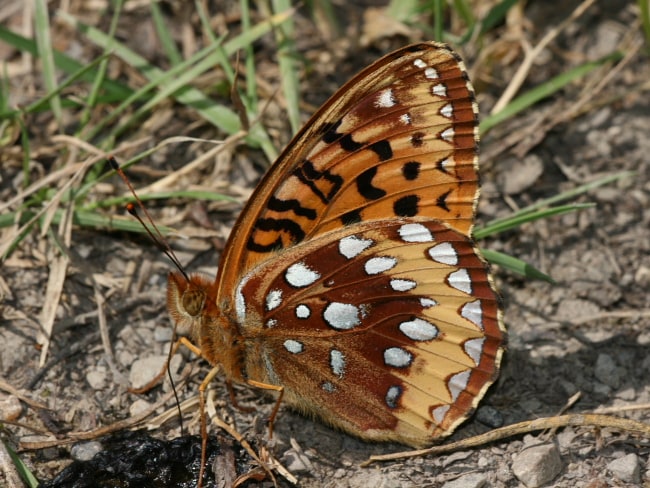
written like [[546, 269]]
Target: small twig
[[93, 434], [575, 420], [522, 72]]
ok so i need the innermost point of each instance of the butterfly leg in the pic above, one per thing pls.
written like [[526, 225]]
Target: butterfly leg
[[204, 427], [280, 390]]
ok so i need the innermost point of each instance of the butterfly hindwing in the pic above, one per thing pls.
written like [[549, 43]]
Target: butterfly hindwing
[[377, 328]]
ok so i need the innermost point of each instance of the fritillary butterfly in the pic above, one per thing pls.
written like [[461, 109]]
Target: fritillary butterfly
[[350, 280]]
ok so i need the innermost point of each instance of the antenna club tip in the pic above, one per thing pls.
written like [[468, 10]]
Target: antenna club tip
[[130, 207], [113, 162]]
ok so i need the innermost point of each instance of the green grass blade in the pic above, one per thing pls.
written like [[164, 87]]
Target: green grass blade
[[44, 45], [101, 73], [166, 39], [644, 11], [573, 193], [115, 91], [515, 265], [496, 15], [520, 218], [22, 469], [542, 91], [285, 35]]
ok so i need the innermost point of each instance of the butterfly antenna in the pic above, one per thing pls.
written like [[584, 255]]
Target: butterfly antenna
[[162, 244], [155, 235]]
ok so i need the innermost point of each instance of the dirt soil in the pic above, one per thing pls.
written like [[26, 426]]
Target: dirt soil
[[588, 334]]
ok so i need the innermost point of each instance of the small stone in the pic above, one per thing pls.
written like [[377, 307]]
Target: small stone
[[10, 408], [144, 370], [139, 406], [521, 174], [297, 462], [163, 334], [85, 451], [538, 465], [96, 378], [473, 480], [606, 371], [626, 468], [489, 416]]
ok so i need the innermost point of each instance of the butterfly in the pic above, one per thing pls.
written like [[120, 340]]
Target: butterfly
[[350, 281]]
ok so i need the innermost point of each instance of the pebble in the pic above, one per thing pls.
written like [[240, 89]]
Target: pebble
[[297, 462], [10, 408], [96, 378], [626, 468], [538, 465], [85, 451], [606, 371], [489, 416], [145, 370], [139, 406], [472, 480]]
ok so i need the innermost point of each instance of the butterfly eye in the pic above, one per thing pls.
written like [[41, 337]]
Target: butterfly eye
[[193, 301]]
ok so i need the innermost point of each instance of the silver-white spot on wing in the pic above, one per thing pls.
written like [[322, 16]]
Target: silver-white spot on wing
[[337, 362], [402, 285], [379, 264], [273, 299], [473, 312], [293, 347], [419, 330], [352, 246], [444, 253], [461, 281], [341, 316], [300, 275], [397, 357], [458, 383]]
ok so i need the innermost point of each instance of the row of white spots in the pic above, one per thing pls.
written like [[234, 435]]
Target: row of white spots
[[446, 163], [448, 134], [397, 357], [303, 311], [419, 330], [337, 362], [386, 99], [240, 301], [342, 316], [392, 396], [444, 253], [402, 285], [415, 233], [428, 302], [439, 413], [294, 347], [447, 111], [273, 299], [460, 280], [350, 247], [380, 264], [474, 349], [439, 89], [473, 312], [299, 275], [456, 384]]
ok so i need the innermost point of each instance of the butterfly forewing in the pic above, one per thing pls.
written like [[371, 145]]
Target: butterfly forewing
[[398, 140], [377, 327]]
